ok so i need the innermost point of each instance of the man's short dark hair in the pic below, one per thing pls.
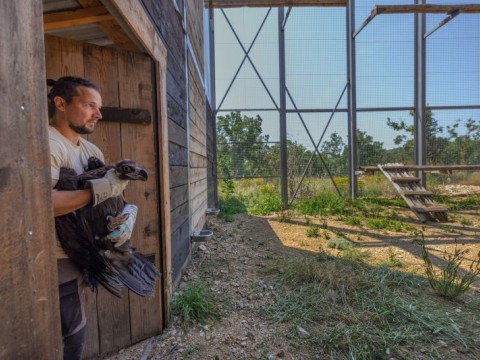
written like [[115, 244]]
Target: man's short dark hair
[[66, 88]]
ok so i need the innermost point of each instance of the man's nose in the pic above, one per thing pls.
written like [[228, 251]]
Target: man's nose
[[98, 114]]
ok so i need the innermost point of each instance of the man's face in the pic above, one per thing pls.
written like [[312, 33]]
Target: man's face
[[83, 112]]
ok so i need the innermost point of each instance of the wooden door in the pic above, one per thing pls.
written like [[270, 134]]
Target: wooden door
[[125, 81]]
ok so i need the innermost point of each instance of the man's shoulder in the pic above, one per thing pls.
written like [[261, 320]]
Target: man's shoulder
[[89, 145]]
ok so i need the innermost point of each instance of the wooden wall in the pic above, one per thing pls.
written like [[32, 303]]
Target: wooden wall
[[169, 25], [187, 126], [30, 325], [197, 114], [125, 81]]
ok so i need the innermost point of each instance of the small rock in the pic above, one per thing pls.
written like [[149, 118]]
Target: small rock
[[202, 247], [302, 332], [248, 334], [271, 356]]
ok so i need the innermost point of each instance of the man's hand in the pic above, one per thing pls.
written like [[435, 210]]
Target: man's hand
[[123, 231], [106, 187]]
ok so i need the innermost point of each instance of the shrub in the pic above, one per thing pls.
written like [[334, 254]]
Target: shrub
[[323, 204], [448, 282], [339, 243], [312, 231], [229, 206], [265, 204]]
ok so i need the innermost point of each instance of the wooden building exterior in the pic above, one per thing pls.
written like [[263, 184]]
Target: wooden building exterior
[[146, 56]]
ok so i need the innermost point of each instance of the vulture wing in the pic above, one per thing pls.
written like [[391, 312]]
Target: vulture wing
[[82, 235]]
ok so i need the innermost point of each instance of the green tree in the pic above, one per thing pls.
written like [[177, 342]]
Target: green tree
[[435, 143], [370, 152], [240, 145]]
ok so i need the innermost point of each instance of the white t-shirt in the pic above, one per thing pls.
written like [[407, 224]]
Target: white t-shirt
[[64, 153]]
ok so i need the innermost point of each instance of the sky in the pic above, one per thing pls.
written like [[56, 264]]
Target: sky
[[315, 41]]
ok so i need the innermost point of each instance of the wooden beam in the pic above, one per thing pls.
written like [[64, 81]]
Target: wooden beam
[[131, 116], [425, 8], [426, 168], [271, 3], [29, 309], [112, 29], [69, 18]]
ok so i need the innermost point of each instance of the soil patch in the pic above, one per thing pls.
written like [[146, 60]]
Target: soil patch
[[233, 264]]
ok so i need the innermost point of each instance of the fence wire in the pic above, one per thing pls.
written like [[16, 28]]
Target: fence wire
[[316, 72]]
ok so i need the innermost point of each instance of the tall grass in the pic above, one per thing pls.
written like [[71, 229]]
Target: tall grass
[[449, 281], [354, 311], [195, 303]]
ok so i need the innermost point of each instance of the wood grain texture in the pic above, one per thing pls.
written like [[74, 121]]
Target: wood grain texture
[[425, 9], [125, 80], [195, 31], [137, 91], [272, 3], [30, 327]]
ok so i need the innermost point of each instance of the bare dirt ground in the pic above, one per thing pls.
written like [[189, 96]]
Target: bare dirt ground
[[232, 263]]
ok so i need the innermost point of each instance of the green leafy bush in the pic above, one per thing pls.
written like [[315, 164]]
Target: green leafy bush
[[339, 243]]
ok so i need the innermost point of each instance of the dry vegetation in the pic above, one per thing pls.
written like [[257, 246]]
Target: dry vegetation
[[290, 286]]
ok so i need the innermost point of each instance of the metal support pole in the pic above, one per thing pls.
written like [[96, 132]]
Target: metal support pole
[[352, 100], [420, 95], [282, 112], [213, 100]]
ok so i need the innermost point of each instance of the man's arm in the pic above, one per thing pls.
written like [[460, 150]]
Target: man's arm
[[65, 202]]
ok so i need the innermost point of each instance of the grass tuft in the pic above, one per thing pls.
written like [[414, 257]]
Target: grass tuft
[[195, 303], [448, 282]]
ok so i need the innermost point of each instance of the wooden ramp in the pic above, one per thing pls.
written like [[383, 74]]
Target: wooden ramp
[[411, 190]]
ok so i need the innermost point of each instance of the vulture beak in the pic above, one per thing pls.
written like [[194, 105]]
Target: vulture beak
[[129, 170], [138, 174]]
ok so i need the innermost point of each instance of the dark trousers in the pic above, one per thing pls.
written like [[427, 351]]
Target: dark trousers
[[73, 320]]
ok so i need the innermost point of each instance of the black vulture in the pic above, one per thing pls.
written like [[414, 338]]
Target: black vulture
[[83, 234]]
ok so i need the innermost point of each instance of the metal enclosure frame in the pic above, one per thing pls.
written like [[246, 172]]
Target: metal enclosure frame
[[419, 100]]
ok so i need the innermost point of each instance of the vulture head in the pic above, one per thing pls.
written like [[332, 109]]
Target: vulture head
[[128, 170]]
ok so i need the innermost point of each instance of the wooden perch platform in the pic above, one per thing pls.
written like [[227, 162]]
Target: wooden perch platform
[[425, 9], [445, 169], [271, 3]]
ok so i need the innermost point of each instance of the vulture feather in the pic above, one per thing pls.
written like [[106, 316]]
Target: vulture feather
[[83, 234]]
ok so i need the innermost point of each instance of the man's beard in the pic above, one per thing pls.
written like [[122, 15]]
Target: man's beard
[[82, 130]]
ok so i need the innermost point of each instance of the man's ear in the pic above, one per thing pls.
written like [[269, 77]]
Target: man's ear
[[59, 103]]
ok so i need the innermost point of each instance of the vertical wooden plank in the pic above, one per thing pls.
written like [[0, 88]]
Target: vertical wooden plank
[[198, 150], [138, 143], [164, 179], [101, 67], [63, 57], [109, 314], [30, 326]]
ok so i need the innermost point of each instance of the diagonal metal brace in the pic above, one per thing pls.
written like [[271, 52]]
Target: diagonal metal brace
[[250, 60], [244, 58]]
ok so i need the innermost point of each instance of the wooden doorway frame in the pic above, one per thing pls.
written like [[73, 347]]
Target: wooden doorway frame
[[138, 21]]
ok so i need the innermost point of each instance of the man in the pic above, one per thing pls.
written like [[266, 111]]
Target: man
[[74, 109]]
